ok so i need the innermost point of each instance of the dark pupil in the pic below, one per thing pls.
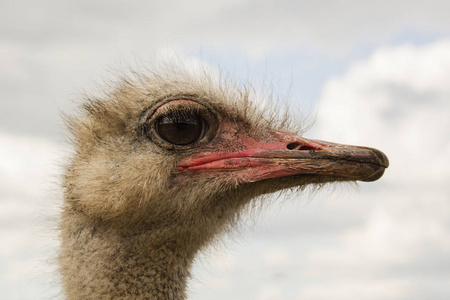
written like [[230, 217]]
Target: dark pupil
[[180, 130]]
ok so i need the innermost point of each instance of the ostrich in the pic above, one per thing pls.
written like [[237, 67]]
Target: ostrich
[[163, 164]]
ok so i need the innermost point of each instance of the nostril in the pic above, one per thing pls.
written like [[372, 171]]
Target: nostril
[[292, 146], [297, 146]]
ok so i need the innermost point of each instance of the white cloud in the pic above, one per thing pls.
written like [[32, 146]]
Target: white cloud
[[276, 256], [29, 202], [27, 165], [397, 101]]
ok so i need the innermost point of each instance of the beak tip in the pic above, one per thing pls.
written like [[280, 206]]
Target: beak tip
[[374, 176], [384, 161]]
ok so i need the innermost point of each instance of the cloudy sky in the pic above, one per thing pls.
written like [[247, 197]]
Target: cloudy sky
[[369, 73]]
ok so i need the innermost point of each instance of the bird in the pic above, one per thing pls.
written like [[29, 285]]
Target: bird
[[164, 162]]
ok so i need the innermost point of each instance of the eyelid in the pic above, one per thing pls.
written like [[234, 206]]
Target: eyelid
[[180, 108]]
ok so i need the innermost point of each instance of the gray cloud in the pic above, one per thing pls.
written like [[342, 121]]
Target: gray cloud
[[328, 25]]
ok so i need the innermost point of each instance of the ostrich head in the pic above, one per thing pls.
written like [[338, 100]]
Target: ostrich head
[[171, 158], [184, 153]]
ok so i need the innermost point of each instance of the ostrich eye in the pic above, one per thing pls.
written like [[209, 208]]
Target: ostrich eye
[[179, 123], [181, 129]]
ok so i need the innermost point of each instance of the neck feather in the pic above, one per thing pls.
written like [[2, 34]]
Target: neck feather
[[102, 262]]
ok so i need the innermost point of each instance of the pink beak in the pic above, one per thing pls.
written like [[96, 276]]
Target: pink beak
[[286, 155]]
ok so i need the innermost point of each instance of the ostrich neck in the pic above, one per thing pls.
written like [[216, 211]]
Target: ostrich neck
[[100, 262]]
